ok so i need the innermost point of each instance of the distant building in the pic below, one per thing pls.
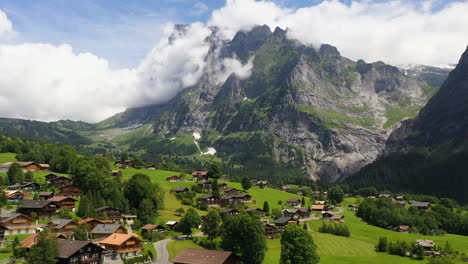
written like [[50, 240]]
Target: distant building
[[293, 202], [46, 195], [200, 175], [105, 230], [25, 166], [282, 222], [421, 205], [180, 190], [428, 246], [119, 246], [174, 178], [60, 181], [15, 224], [43, 209], [62, 226], [113, 214], [199, 256], [229, 211], [271, 231], [76, 251], [25, 186], [70, 190], [64, 202]]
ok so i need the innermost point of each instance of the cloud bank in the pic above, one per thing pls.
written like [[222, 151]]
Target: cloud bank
[[52, 82]]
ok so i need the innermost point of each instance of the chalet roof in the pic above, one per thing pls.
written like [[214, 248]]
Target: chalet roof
[[207, 196], [291, 211], [59, 177], [68, 186], [180, 189], [60, 198], [303, 210], [10, 216], [118, 239], [404, 227], [46, 193], [150, 227], [21, 163], [10, 193], [174, 177], [228, 210], [202, 256], [250, 209], [320, 202], [61, 223], [425, 242], [318, 207], [22, 184], [229, 189], [36, 204], [420, 204], [115, 171], [32, 239], [293, 201], [105, 208], [171, 223], [283, 220], [44, 165], [52, 175], [87, 220], [199, 173], [66, 247], [105, 229]]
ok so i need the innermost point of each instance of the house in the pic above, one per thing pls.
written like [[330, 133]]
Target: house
[[327, 216], [271, 231], [120, 246], [105, 230], [205, 185], [46, 195], [399, 198], [174, 178], [222, 185], [231, 191], [60, 181], [64, 202], [62, 226], [70, 190], [238, 198], [25, 186], [15, 224], [200, 175], [421, 205], [32, 240], [199, 256], [261, 183], [76, 251], [258, 211], [42, 209], [353, 207], [319, 207], [293, 202], [16, 196], [385, 195], [25, 166], [337, 219], [171, 224], [90, 222], [285, 188], [320, 202], [116, 173], [428, 246], [129, 219], [404, 229], [401, 203], [290, 213], [225, 178], [303, 212], [51, 176], [282, 222], [229, 211], [209, 199], [180, 190], [151, 227], [112, 213], [44, 167]]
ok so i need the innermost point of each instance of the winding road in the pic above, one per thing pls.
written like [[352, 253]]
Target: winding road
[[161, 248]]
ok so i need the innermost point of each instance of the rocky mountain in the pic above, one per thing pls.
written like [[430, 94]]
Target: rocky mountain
[[309, 108], [429, 153]]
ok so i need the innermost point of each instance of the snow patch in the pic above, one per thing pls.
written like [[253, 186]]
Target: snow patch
[[196, 135], [210, 151]]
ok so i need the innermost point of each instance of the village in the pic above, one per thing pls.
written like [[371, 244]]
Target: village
[[113, 236]]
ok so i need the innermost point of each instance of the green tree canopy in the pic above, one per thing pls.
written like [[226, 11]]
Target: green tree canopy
[[246, 183], [335, 194], [212, 225], [298, 247], [45, 251], [15, 174]]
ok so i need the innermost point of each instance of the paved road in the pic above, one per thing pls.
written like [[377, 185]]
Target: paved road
[[161, 248]]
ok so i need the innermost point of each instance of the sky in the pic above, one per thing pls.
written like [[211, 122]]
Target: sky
[[90, 59]]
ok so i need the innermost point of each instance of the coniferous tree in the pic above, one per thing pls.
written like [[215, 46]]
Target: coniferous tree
[[246, 183], [382, 246], [266, 208], [29, 176]]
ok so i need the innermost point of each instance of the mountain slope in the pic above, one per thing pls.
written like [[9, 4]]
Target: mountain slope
[[430, 152], [314, 109]]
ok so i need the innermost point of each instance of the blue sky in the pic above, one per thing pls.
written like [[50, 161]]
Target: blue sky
[[122, 31]]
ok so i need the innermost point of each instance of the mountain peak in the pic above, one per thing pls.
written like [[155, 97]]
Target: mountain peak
[[327, 50]]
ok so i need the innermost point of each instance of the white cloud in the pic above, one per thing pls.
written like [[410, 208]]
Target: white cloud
[[6, 27], [397, 32], [46, 82], [199, 8]]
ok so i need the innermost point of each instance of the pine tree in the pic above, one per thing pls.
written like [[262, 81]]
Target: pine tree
[[266, 208]]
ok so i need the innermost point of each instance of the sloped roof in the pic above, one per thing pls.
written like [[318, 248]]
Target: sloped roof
[[202, 256], [66, 247], [10, 216], [106, 207], [283, 220], [60, 198], [61, 223], [117, 239], [36, 204], [105, 229]]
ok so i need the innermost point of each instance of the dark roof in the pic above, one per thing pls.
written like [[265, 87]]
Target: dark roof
[[283, 220], [46, 193], [293, 201], [60, 177], [106, 207], [180, 189], [151, 227], [61, 223], [66, 248], [253, 209], [202, 256], [206, 196], [228, 210], [23, 184], [36, 204], [9, 216], [105, 229], [70, 185]]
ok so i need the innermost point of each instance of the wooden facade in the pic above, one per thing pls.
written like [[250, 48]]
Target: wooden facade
[[120, 246], [70, 190], [43, 209], [64, 201], [78, 252], [60, 181], [15, 224], [112, 213]]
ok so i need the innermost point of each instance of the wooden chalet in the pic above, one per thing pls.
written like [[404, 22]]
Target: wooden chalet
[[51, 176], [105, 230], [229, 211], [120, 246], [282, 222], [199, 256], [238, 198], [180, 190], [230, 191], [385, 195], [205, 185], [151, 227], [60, 181], [222, 185], [171, 224], [62, 226], [293, 202], [129, 219], [428, 246], [327, 215], [113, 214], [258, 211], [64, 201], [25, 186], [271, 231], [16, 196], [421, 205], [90, 222], [353, 207], [200, 175], [302, 212], [16, 224], [400, 203], [44, 167], [25, 166], [404, 229], [43, 209], [209, 199], [174, 178], [46, 195], [319, 207], [77, 252], [337, 219], [70, 190]]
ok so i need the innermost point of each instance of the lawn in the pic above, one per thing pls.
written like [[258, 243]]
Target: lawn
[[6, 157], [150, 247], [176, 246], [21, 237]]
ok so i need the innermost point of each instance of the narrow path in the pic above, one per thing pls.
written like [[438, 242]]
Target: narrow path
[[161, 248]]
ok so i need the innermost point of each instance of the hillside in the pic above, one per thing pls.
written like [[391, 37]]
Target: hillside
[[429, 153]]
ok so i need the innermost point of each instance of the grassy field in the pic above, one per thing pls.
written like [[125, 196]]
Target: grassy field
[[175, 247], [6, 157], [150, 247]]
